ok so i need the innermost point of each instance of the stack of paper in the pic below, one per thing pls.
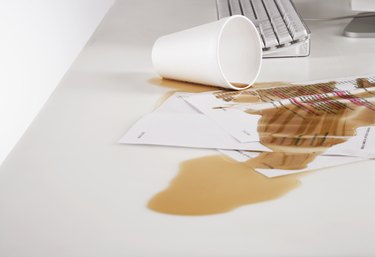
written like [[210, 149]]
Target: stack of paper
[[280, 130]]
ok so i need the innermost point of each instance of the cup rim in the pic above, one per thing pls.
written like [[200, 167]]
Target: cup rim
[[252, 26]]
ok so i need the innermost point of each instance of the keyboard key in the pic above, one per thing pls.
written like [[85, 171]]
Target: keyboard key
[[222, 8], [248, 10], [292, 19], [265, 26], [277, 22], [235, 7], [261, 37]]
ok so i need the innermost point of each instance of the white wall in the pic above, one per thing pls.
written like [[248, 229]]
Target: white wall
[[39, 40]]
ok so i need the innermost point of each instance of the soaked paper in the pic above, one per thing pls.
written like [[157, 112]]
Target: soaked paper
[[315, 125]]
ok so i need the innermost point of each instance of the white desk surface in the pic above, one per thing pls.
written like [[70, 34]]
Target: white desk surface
[[68, 189]]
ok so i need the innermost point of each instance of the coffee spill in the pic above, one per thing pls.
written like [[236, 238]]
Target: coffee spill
[[266, 85], [239, 96], [296, 133], [211, 185], [239, 85], [180, 86]]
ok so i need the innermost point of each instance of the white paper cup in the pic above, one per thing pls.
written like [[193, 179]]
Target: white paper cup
[[225, 53]]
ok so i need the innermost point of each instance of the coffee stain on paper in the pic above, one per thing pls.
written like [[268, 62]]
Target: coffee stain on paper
[[296, 132]]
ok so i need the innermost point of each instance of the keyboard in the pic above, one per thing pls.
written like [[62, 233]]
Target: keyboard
[[281, 28]]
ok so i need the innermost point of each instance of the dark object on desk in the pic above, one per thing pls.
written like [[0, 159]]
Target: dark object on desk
[[282, 30], [362, 27]]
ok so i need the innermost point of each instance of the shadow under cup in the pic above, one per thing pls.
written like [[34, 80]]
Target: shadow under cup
[[226, 53]]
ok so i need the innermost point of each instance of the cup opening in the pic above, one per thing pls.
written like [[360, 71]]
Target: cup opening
[[239, 52]]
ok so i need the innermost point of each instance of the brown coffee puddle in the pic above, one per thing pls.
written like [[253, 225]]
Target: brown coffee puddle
[[267, 85], [239, 85], [296, 132], [211, 185], [180, 86]]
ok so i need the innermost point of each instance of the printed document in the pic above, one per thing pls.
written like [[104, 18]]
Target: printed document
[[317, 125]]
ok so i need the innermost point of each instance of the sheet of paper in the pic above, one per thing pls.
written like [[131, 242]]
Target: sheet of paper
[[201, 120], [176, 123], [186, 130], [238, 112]]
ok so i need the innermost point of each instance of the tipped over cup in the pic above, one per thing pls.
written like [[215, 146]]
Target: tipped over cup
[[226, 53]]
